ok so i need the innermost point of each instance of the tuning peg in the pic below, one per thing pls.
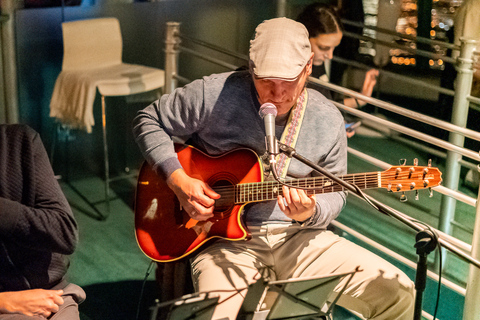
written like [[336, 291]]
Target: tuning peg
[[397, 172], [416, 195], [389, 187], [429, 162], [415, 162], [425, 171], [431, 192], [402, 162], [403, 197]]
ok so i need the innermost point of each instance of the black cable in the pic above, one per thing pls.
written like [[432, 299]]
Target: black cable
[[439, 280], [429, 228], [149, 270]]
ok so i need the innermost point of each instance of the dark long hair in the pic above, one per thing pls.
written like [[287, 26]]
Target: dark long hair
[[320, 18]]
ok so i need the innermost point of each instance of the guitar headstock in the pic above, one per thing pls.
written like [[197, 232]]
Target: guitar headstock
[[408, 178]]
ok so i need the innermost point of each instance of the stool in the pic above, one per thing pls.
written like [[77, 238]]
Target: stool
[[92, 60]]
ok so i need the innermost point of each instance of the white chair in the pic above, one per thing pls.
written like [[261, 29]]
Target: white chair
[[92, 60]]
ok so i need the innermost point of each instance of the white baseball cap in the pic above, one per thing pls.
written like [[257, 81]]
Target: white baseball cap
[[280, 49]]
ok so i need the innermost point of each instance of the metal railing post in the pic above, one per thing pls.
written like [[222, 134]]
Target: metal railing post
[[172, 42], [9, 65], [281, 8], [471, 310], [459, 118]]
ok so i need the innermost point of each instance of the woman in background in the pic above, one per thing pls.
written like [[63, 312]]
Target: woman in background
[[325, 33]]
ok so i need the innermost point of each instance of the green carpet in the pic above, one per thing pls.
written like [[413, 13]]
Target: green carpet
[[108, 264]]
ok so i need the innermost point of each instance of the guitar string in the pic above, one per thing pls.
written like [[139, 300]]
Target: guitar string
[[263, 189], [322, 180], [361, 180]]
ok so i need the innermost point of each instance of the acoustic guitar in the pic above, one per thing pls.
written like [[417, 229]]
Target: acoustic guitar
[[165, 232]]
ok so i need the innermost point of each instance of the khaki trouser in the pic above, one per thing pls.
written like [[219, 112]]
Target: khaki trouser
[[280, 252], [72, 296]]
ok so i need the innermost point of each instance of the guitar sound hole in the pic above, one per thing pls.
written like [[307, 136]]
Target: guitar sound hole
[[227, 200]]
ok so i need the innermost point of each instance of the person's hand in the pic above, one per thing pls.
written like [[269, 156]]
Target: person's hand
[[35, 302], [195, 196], [369, 82], [367, 89], [296, 204]]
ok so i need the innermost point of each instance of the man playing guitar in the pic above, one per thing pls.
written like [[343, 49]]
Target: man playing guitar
[[287, 235]]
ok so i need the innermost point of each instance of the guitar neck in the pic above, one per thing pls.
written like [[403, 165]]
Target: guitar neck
[[269, 190]]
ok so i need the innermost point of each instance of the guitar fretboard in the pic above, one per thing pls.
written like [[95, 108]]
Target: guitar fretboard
[[270, 190]]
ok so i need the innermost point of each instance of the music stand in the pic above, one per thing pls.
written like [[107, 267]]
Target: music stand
[[303, 298], [255, 293], [189, 307]]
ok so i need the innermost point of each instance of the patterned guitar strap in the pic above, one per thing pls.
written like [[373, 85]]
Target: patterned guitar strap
[[289, 136]]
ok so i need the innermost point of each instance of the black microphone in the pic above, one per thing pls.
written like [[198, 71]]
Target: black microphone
[[268, 112]]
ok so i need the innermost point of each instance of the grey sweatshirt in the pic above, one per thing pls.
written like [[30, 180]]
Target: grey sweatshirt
[[220, 113]]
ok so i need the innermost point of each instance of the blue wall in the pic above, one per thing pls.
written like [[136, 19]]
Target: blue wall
[[226, 23]]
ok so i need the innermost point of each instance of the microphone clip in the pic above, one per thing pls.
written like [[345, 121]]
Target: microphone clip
[[271, 144]]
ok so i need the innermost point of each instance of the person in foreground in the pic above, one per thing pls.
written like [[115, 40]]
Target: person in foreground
[[37, 231], [289, 236]]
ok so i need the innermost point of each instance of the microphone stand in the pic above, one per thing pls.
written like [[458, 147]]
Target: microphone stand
[[426, 239], [426, 242]]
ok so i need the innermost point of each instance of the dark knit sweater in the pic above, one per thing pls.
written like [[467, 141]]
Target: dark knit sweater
[[37, 227]]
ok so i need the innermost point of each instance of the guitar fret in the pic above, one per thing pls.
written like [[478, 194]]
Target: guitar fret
[[257, 195], [265, 190], [276, 191], [269, 190], [320, 184], [239, 188], [242, 192]]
